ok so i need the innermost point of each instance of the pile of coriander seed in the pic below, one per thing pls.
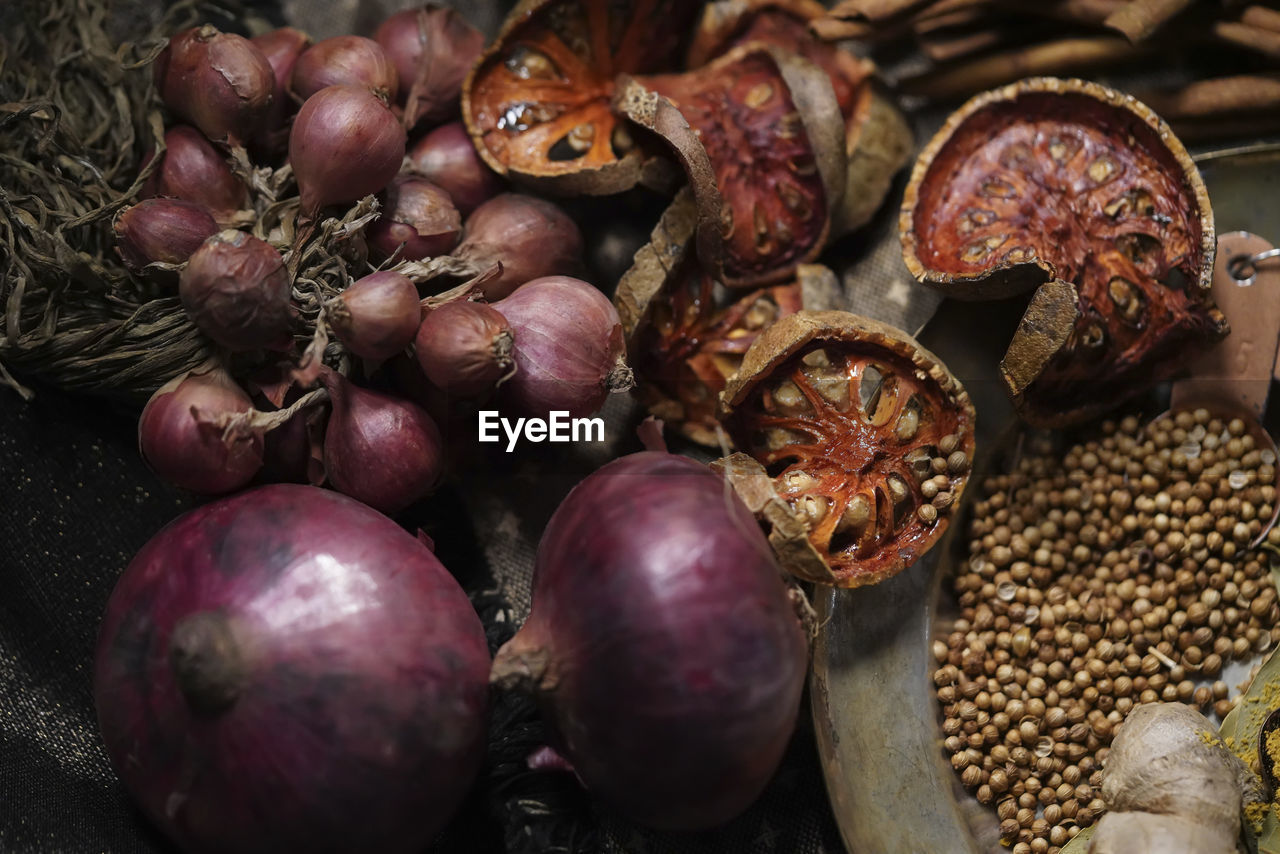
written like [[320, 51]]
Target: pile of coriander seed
[[1117, 573]]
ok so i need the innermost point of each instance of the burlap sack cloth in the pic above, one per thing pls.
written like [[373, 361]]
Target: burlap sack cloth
[[76, 503]]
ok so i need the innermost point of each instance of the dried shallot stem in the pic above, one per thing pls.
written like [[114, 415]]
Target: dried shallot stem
[[1256, 39], [1251, 93], [1138, 19], [1261, 17]]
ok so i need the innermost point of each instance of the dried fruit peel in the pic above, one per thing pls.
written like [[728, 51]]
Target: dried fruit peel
[[855, 466], [1065, 179]]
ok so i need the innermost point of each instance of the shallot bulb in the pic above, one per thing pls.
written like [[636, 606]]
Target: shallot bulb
[[381, 450], [530, 237], [192, 169], [418, 216], [433, 48], [464, 348], [183, 439], [217, 81], [377, 316], [568, 347], [236, 289], [286, 670], [353, 60], [661, 644], [345, 144], [447, 158], [281, 47], [161, 230]]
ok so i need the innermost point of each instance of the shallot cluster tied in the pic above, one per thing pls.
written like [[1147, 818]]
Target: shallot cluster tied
[[192, 168], [236, 290], [464, 348], [433, 48], [161, 230], [377, 316], [219, 82]]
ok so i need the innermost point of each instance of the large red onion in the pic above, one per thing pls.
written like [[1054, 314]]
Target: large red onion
[[377, 316], [340, 60], [191, 168], [182, 439], [433, 48], [217, 81], [418, 216], [568, 349], [164, 230], [236, 290], [379, 449], [661, 643], [464, 348], [287, 670], [345, 144], [281, 47], [530, 237], [447, 158]]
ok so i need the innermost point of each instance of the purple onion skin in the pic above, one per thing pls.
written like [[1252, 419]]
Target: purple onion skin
[[661, 643], [464, 348], [419, 215], [181, 443], [354, 717], [236, 290], [531, 237], [166, 230], [447, 157], [568, 347], [345, 144], [192, 169], [281, 47], [342, 60], [433, 47], [219, 82], [378, 315], [381, 450]]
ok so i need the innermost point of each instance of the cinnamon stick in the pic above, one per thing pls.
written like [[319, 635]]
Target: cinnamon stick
[[1255, 94], [1262, 18], [947, 47], [1088, 12], [1138, 19], [873, 10], [1258, 40], [1048, 58]]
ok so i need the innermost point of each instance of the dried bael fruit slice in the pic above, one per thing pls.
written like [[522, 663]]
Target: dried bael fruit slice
[[878, 139], [1064, 179], [768, 123], [865, 437], [687, 334], [538, 101]]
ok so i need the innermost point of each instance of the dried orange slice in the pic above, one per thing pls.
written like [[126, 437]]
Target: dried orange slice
[[1073, 184], [538, 102], [858, 443]]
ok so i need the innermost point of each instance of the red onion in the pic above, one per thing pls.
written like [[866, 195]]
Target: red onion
[[661, 643], [379, 449], [217, 81], [447, 158], [182, 440], [236, 289], [433, 48], [531, 238], [192, 169], [377, 316], [281, 47], [568, 347], [340, 60], [419, 215], [464, 348], [287, 670], [345, 144], [165, 230]]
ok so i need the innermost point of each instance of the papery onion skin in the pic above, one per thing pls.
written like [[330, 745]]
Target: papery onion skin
[[191, 168], [281, 47], [352, 679], [378, 315], [165, 230], [345, 144], [568, 347], [343, 60], [434, 47], [464, 348], [661, 643], [219, 82], [381, 450], [531, 238], [447, 157], [180, 440], [419, 215], [236, 290]]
